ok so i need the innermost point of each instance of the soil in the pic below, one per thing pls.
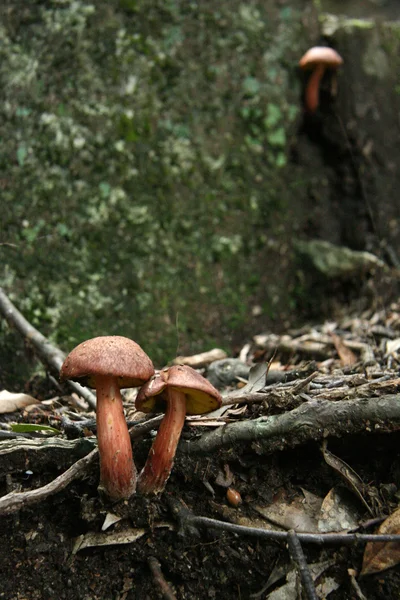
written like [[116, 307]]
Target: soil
[[37, 543]]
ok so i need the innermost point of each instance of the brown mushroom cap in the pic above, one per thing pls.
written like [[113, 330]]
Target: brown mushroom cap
[[114, 355], [201, 395], [318, 55]]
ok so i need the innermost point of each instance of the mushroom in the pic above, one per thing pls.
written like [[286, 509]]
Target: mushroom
[[109, 363], [318, 58], [178, 390]]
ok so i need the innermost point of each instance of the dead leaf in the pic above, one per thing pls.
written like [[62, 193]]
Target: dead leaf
[[392, 346], [110, 520], [10, 402], [93, 539], [352, 479], [224, 479], [347, 357], [256, 380], [379, 556], [337, 512], [289, 590], [298, 514]]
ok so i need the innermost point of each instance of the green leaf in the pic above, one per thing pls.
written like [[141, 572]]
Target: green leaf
[[29, 427], [22, 112], [286, 13], [105, 189], [277, 137], [273, 116], [21, 154], [251, 86]]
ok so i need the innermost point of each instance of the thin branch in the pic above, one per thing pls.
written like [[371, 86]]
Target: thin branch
[[49, 354], [190, 524], [18, 500], [141, 429], [297, 555], [314, 420], [159, 578]]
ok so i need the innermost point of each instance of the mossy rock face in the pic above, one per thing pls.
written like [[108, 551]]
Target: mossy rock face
[[144, 148], [156, 165]]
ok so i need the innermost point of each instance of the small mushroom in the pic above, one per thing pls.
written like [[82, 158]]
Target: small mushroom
[[109, 363], [178, 390], [318, 58]]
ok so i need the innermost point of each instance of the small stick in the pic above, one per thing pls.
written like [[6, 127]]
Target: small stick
[[297, 555], [50, 355], [188, 523], [296, 389], [160, 579], [18, 500], [354, 583]]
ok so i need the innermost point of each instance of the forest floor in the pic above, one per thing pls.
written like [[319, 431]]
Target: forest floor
[[309, 444]]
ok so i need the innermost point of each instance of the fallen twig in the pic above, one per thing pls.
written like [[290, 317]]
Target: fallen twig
[[49, 354], [190, 524], [160, 579], [297, 555], [17, 500]]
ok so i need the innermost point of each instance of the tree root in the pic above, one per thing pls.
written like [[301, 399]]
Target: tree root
[[50, 355]]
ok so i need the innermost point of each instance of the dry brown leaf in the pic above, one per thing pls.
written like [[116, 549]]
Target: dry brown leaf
[[379, 556], [347, 357], [224, 479], [337, 512], [299, 514], [10, 402]]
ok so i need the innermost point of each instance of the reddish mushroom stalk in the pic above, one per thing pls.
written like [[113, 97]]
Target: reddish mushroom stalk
[[160, 461], [177, 391], [312, 89], [117, 469]]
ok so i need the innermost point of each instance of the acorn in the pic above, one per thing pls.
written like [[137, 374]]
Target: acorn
[[233, 497]]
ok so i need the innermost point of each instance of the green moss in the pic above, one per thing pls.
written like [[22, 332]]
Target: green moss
[[143, 160]]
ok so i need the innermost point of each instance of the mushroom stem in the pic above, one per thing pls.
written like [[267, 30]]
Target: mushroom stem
[[312, 89], [117, 469], [157, 469]]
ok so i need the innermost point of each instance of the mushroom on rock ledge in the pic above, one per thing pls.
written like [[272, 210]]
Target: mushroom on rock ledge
[[178, 390], [318, 58], [109, 363]]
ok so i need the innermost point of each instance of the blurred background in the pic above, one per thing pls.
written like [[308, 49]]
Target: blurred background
[[161, 179]]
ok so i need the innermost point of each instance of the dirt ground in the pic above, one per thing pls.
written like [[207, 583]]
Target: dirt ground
[[36, 544], [39, 544]]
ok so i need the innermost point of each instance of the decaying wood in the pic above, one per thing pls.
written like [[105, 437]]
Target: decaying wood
[[197, 361], [50, 355], [313, 420]]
